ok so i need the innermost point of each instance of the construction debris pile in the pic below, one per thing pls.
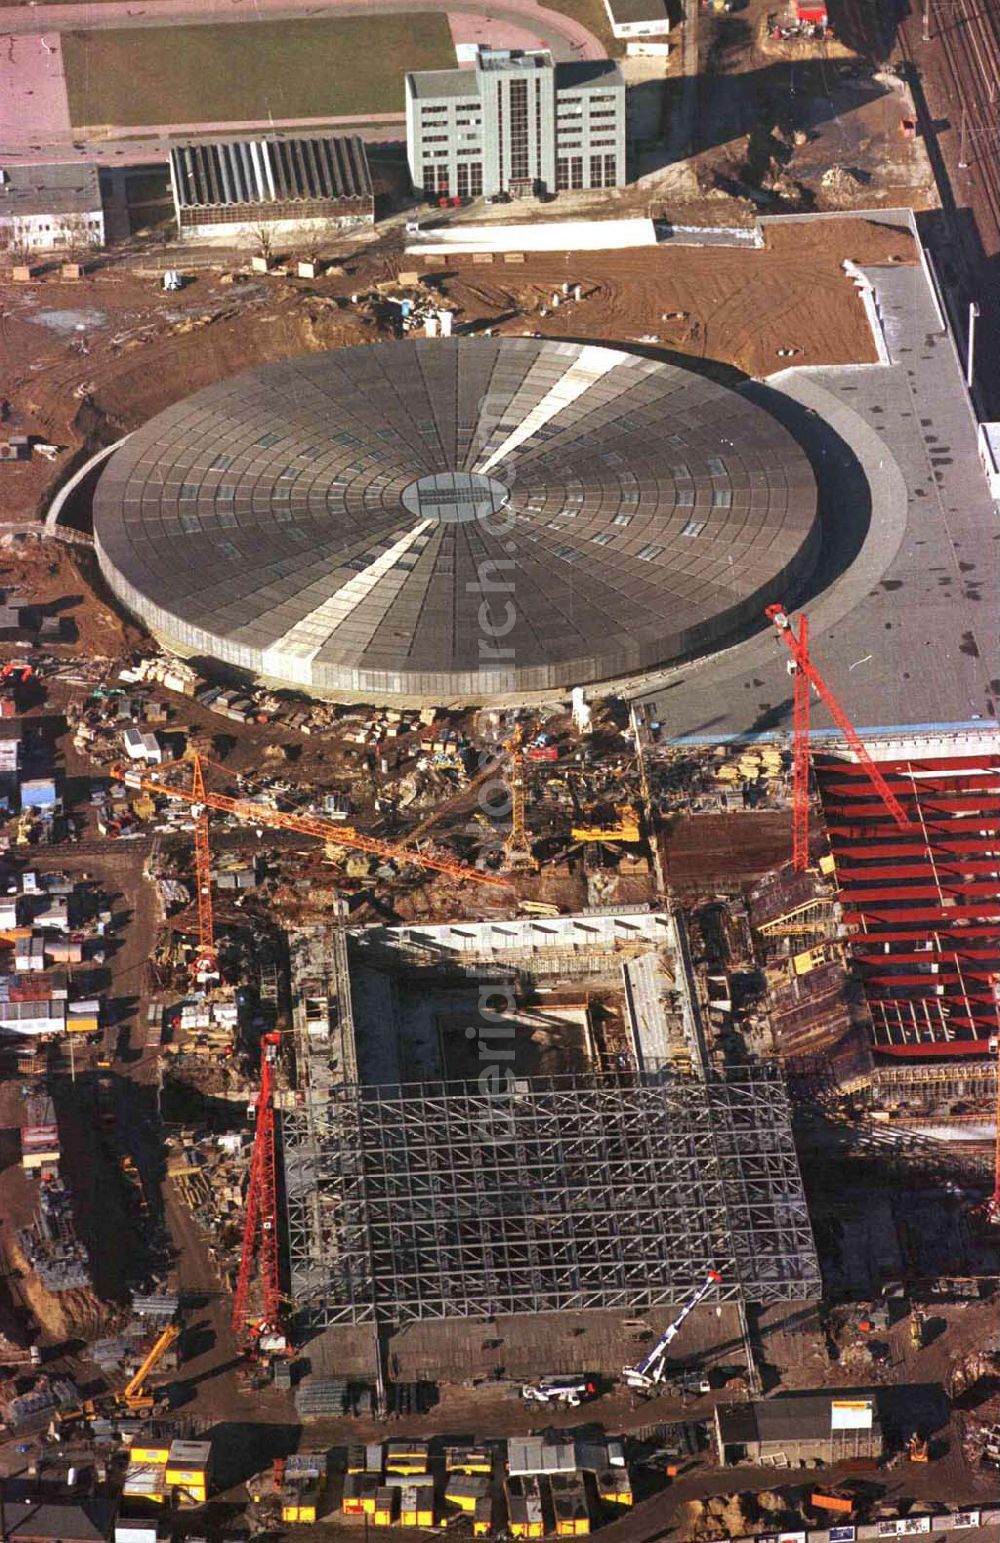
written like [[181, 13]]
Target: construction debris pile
[[717, 779], [208, 1173]]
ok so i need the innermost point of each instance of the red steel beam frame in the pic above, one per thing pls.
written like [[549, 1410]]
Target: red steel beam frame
[[889, 882]]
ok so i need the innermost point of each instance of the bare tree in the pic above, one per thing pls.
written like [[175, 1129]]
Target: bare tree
[[262, 241]]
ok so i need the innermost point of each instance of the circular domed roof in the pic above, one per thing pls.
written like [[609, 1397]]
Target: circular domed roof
[[456, 519]]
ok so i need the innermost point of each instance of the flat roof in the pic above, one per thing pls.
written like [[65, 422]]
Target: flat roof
[[588, 72], [903, 603], [276, 168], [637, 10], [434, 85], [805, 1417], [72, 188]]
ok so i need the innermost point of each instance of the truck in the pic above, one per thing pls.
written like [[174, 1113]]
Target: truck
[[562, 1392]]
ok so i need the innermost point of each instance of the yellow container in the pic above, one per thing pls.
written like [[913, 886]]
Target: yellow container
[[384, 1511], [141, 1455], [190, 1477]]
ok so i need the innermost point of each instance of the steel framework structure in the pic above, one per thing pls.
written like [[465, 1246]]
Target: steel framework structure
[[923, 903], [585, 1191]]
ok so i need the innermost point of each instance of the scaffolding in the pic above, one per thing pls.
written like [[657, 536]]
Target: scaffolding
[[597, 1190]]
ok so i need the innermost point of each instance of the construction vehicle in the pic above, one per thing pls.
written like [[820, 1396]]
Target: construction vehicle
[[206, 966], [623, 827], [561, 1392], [649, 1372], [805, 675], [264, 1335], [918, 1325], [917, 1449], [135, 1396]]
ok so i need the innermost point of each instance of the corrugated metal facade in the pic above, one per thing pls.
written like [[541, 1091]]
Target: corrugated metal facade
[[236, 173], [923, 904]]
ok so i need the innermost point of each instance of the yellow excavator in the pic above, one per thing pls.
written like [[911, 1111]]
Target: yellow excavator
[[135, 1396]]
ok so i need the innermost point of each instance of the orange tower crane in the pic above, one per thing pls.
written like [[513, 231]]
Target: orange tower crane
[[517, 853], [260, 1228], [805, 674], [202, 800]]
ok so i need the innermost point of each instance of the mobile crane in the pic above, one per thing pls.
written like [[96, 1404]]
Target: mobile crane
[[135, 1395], [648, 1373], [264, 1335]]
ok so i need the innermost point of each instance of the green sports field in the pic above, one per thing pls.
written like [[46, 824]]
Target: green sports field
[[342, 67]]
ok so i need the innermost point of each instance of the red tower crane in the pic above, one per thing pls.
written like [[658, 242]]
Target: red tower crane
[[202, 800], [260, 1232], [805, 674]]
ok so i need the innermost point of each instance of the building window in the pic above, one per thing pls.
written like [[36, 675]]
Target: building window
[[603, 171], [538, 130], [520, 168], [442, 179], [569, 172], [435, 139], [647, 553], [475, 179]]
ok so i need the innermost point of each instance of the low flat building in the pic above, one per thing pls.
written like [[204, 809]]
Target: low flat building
[[798, 1428], [633, 20], [518, 124], [58, 1521], [50, 208], [237, 190]]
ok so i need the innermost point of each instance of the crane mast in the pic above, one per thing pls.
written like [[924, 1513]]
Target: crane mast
[[260, 1229], [648, 1373], [805, 675], [517, 854]]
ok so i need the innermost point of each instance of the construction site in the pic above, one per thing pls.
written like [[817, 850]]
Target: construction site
[[532, 1090]]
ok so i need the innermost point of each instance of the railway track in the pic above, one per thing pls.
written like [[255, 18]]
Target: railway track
[[969, 31], [956, 80]]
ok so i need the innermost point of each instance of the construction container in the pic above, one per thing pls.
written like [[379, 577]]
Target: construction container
[[363, 1458], [301, 1504], [615, 1487], [416, 1507], [146, 1481], [383, 1511], [569, 1505], [468, 1460], [359, 1493], [525, 1517], [406, 1457], [464, 1489], [149, 1451], [187, 1471]]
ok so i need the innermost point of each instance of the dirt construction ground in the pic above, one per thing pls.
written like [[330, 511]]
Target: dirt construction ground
[[83, 363]]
